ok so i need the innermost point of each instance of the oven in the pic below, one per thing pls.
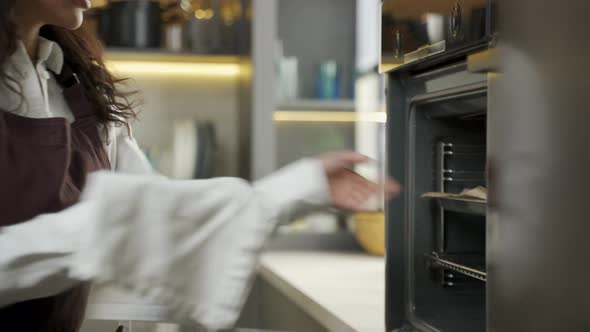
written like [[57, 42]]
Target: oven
[[437, 105]]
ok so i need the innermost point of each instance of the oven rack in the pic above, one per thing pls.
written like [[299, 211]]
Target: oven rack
[[445, 263]]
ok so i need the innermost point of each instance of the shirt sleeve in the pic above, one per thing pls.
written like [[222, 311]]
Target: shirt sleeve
[[124, 152], [190, 245]]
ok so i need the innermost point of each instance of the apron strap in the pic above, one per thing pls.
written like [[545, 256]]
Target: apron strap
[[73, 92]]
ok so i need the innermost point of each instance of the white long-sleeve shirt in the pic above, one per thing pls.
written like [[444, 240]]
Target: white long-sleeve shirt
[[191, 245]]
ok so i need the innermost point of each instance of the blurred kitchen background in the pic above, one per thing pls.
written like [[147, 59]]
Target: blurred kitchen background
[[242, 87]]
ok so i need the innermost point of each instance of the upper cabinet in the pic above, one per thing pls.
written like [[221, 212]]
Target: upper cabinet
[[416, 30], [190, 26]]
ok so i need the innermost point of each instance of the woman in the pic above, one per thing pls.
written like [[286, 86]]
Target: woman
[[190, 244]]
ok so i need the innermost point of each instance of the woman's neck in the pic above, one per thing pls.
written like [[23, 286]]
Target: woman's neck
[[28, 31], [30, 39]]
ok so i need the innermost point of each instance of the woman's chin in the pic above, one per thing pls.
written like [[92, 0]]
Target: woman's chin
[[73, 21]]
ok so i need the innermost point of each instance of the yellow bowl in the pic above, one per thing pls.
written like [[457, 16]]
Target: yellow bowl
[[370, 231]]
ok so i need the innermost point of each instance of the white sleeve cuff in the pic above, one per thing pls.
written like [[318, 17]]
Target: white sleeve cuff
[[296, 188]]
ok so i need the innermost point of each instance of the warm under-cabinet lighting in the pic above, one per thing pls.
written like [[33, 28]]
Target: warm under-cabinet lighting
[[175, 68], [319, 116], [99, 3]]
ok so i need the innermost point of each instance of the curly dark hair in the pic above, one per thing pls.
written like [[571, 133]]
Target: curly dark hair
[[84, 53]]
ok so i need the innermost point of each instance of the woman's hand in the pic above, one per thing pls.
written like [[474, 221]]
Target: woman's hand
[[349, 190]]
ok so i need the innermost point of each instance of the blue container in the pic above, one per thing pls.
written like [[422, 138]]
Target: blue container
[[328, 85]]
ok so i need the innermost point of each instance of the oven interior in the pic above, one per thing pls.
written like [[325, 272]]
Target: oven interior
[[447, 237]]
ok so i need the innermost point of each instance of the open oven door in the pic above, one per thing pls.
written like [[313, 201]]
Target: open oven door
[[539, 129]]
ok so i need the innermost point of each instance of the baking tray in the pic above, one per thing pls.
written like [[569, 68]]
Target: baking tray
[[470, 206]]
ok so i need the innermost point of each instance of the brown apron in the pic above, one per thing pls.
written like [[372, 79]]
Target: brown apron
[[43, 168]]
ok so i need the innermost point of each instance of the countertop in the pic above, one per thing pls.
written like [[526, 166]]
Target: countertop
[[343, 291]]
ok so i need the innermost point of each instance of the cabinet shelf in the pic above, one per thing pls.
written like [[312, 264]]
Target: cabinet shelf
[[338, 105], [173, 65], [161, 55]]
